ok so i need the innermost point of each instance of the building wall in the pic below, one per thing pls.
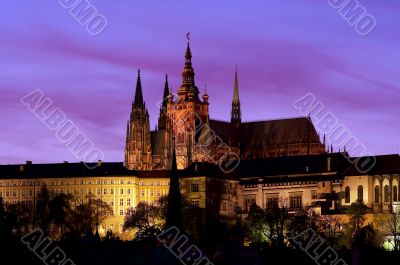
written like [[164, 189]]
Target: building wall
[[120, 192]]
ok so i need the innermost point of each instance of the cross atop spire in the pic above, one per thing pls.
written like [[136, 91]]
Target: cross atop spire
[[138, 102]]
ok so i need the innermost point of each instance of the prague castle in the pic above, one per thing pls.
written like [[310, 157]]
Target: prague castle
[[225, 166]]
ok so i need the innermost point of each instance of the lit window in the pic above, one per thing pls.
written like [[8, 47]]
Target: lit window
[[128, 191], [347, 195], [111, 191], [105, 191], [121, 212], [195, 187], [121, 191], [111, 203], [121, 181], [128, 202], [151, 193], [121, 202], [296, 201]]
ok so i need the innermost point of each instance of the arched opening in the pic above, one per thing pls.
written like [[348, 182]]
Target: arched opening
[[347, 195], [376, 194], [386, 193], [395, 193], [360, 193]]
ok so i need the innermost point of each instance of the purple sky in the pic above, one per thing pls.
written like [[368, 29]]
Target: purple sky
[[284, 49]]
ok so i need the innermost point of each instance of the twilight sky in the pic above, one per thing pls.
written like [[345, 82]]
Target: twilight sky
[[284, 50]]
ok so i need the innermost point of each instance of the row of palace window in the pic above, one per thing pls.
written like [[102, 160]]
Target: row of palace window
[[295, 201], [64, 183], [111, 191], [29, 193], [151, 193], [386, 194]]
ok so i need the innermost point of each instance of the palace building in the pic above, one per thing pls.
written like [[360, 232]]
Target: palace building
[[225, 166]]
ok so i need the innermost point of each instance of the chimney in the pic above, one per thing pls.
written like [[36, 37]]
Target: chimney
[[328, 164], [28, 162], [99, 163]]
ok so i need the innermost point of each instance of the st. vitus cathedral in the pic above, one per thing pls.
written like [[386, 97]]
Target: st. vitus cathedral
[[184, 124]]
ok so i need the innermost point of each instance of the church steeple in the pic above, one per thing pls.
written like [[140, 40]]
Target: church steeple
[[236, 115], [188, 90], [138, 102], [138, 145]]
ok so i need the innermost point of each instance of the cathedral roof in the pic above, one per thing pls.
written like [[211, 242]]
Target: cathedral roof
[[270, 132]]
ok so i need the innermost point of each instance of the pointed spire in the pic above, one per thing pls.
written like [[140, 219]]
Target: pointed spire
[[138, 102], [236, 89], [188, 90], [166, 92], [162, 119], [236, 115], [174, 211], [205, 95]]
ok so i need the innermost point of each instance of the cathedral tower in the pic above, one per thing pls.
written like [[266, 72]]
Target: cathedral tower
[[138, 145], [187, 117]]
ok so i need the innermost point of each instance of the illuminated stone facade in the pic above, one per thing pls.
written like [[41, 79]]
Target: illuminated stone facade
[[185, 122]]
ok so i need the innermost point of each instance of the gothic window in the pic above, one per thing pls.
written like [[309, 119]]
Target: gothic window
[[347, 195], [395, 194], [360, 193], [386, 193], [376, 194]]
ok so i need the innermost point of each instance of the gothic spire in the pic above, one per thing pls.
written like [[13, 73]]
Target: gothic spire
[[174, 211], [236, 115], [166, 93], [138, 102], [236, 89], [188, 87], [162, 119]]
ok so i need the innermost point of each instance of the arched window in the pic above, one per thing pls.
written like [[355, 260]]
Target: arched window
[[347, 195], [386, 193], [376, 194], [395, 194], [360, 193]]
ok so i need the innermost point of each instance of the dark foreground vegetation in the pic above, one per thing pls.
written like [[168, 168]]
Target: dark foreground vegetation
[[259, 236]]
